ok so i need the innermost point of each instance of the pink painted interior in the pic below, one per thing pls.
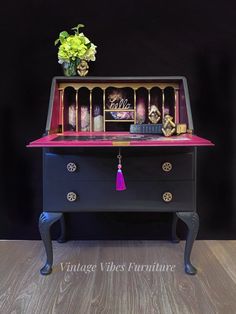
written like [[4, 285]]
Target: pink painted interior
[[55, 121], [56, 110], [181, 140]]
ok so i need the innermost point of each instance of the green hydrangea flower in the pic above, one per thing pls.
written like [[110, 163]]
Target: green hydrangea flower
[[75, 47]]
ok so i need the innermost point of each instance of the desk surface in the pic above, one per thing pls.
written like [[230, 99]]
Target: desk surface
[[104, 139]]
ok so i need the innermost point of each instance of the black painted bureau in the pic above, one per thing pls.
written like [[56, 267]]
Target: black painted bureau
[[79, 164]]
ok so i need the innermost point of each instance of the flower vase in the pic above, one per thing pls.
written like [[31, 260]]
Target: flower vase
[[69, 68]]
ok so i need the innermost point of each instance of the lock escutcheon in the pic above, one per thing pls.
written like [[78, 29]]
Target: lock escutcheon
[[167, 166], [167, 197]]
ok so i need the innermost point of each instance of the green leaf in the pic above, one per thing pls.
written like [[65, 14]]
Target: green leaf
[[76, 29], [56, 41], [88, 45], [62, 36]]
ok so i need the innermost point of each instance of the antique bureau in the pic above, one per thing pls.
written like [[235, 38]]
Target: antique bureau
[[88, 127]]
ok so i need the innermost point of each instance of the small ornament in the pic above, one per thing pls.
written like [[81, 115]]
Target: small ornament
[[120, 182], [169, 126], [82, 68], [154, 114], [181, 128]]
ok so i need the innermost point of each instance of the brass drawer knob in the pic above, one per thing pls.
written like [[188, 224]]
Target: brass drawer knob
[[71, 197], [167, 197], [166, 166], [71, 167]]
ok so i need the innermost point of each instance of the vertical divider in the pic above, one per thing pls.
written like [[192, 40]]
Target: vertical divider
[[91, 109], [149, 100], [163, 104], [62, 110], [135, 105], [176, 105], [59, 111], [77, 110], [104, 107]]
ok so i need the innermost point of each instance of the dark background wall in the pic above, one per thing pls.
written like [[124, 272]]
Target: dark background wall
[[196, 39]]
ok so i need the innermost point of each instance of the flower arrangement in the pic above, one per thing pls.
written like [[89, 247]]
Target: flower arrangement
[[75, 51]]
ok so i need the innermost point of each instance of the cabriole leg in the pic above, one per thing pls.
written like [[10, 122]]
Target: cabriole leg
[[174, 236], [46, 220], [62, 237], [191, 219]]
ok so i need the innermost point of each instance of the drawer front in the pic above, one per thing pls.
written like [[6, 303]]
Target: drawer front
[[76, 196], [139, 167], [160, 167]]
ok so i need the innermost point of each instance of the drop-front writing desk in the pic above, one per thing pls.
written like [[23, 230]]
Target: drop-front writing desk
[[79, 167]]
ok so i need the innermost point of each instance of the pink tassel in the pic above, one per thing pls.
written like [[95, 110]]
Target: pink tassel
[[120, 182]]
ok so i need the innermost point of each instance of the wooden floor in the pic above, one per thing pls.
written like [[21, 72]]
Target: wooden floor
[[24, 290]]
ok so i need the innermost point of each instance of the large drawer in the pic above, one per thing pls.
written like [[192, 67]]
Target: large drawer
[[137, 167], [102, 196]]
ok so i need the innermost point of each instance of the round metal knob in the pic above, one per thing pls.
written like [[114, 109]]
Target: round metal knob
[[167, 197], [71, 167], [166, 166], [71, 196]]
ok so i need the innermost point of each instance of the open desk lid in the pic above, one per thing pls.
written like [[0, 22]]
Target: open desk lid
[[104, 139], [98, 111]]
